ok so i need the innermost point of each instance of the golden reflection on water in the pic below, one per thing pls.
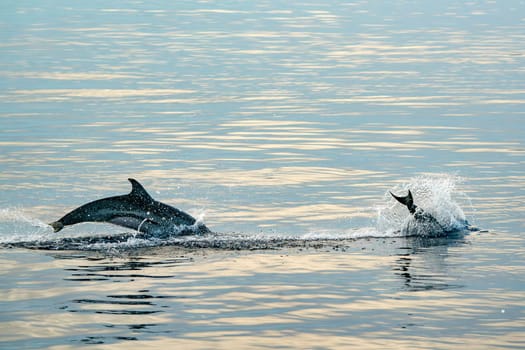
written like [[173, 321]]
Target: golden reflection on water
[[286, 298], [65, 76], [299, 299], [54, 94], [267, 176]]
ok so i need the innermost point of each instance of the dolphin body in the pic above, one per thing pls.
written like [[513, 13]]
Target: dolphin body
[[136, 210], [422, 223]]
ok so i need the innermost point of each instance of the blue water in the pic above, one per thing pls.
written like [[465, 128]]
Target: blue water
[[282, 126]]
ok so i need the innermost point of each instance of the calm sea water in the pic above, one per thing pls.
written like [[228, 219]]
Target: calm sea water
[[272, 121]]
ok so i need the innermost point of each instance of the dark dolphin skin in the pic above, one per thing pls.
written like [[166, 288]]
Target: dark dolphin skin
[[423, 223], [136, 210]]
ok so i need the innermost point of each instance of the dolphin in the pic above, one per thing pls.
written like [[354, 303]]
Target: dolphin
[[136, 210], [421, 223]]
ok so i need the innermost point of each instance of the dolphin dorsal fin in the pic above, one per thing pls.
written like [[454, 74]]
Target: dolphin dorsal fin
[[137, 190]]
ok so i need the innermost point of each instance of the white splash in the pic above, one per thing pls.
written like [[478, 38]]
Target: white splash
[[436, 194], [16, 225], [200, 218]]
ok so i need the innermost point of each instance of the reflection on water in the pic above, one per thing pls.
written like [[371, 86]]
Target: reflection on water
[[422, 264], [285, 121], [376, 290]]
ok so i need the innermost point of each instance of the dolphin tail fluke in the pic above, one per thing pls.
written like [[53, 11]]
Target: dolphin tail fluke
[[407, 200], [57, 226]]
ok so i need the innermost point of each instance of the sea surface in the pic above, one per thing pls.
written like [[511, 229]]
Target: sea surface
[[283, 126]]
